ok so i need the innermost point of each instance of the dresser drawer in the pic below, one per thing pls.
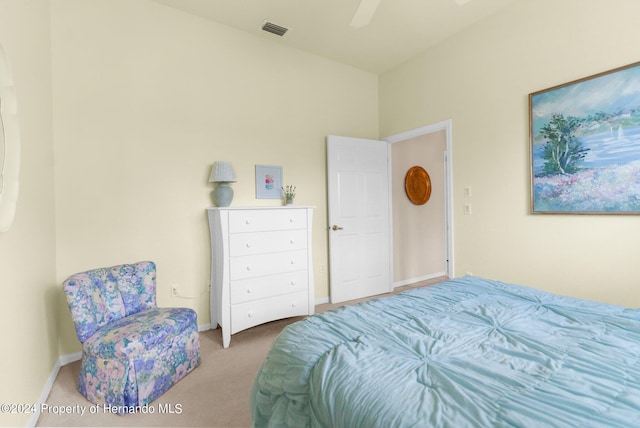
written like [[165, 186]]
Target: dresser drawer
[[267, 264], [242, 244], [261, 265], [264, 220], [248, 314], [261, 287]]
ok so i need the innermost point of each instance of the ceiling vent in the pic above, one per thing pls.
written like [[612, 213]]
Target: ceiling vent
[[272, 28]]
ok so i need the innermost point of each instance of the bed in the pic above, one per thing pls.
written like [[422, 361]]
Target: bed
[[467, 352]]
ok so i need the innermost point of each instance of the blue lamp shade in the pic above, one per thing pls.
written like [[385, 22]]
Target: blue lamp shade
[[222, 173]]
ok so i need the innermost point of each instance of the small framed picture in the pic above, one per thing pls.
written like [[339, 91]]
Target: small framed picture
[[268, 182]]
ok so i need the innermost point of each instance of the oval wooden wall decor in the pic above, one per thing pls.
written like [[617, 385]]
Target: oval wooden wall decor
[[417, 184]]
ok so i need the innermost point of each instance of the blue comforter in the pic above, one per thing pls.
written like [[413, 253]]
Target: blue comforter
[[467, 352]]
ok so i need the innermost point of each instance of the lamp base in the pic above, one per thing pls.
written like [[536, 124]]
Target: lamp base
[[223, 194]]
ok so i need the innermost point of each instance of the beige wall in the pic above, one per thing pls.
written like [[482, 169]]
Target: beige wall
[[28, 307], [419, 244], [146, 98], [481, 79]]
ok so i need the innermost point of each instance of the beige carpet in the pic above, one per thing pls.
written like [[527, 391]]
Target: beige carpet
[[216, 394]]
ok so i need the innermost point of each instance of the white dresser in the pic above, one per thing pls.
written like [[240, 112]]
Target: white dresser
[[261, 266]]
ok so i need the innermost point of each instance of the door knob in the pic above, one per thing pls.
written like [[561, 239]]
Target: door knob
[[336, 227]]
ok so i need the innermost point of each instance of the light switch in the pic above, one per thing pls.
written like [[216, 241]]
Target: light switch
[[467, 191], [467, 209]]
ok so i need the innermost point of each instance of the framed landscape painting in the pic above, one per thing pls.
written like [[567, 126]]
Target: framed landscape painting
[[585, 145]]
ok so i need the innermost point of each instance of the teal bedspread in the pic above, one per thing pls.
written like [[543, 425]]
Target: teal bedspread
[[467, 352]]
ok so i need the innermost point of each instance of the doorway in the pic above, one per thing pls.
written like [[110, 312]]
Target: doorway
[[361, 261], [422, 234]]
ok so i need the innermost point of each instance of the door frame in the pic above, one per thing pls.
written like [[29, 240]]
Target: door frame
[[448, 186]]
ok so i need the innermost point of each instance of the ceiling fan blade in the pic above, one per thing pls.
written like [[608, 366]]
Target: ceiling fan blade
[[364, 13]]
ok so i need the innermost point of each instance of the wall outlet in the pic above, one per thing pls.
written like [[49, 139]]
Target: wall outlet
[[174, 290], [467, 209]]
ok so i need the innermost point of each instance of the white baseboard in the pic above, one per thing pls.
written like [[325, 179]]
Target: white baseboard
[[418, 279], [62, 360], [322, 300]]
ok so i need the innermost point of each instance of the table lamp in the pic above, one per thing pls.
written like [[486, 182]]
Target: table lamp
[[222, 173]]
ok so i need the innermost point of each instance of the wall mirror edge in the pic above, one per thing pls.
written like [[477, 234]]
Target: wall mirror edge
[[9, 146]]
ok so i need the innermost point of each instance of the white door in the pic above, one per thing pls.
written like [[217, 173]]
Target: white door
[[359, 218]]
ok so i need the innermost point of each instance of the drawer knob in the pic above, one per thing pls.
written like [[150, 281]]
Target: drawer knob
[[293, 282], [248, 291], [248, 245], [248, 267], [250, 314], [291, 220], [293, 305], [293, 262], [292, 241], [247, 221]]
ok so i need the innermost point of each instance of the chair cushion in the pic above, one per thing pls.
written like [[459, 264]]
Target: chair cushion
[[134, 360], [136, 334]]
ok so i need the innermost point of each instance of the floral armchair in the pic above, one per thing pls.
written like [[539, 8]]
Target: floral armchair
[[132, 351]]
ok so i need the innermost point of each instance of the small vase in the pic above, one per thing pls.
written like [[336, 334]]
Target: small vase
[[289, 201]]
